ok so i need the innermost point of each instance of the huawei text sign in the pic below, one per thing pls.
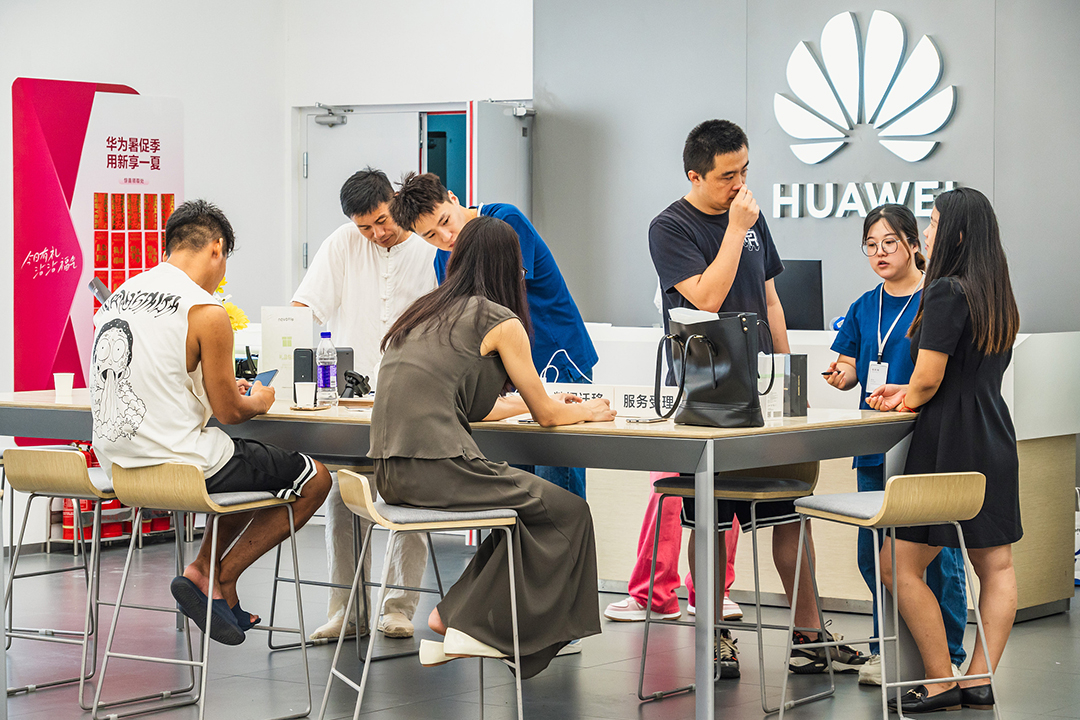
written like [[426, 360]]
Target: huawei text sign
[[823, 200]]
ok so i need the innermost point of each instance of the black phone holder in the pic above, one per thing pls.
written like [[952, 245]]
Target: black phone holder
[[247, 368], [356, 385]]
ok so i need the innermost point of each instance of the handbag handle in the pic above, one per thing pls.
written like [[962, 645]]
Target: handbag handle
[[659, 369], [683, 348], [772, 355]]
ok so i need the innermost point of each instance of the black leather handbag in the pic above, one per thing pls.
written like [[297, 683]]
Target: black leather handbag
[[716, 363]]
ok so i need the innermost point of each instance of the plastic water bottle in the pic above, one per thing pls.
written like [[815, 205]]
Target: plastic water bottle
[[326, 372]]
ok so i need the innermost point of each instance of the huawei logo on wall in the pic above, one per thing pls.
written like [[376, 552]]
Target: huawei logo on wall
[[853, 84]]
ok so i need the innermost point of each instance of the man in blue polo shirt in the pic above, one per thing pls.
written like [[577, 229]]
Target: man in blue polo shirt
[[562, 350]]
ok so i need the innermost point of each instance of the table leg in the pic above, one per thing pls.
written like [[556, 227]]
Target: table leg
[[911, 667], [705, 570]]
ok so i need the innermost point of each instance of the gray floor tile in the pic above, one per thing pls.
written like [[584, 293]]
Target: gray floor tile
[[1039, 677]]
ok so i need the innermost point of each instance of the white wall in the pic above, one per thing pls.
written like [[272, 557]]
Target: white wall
[[238, 66]]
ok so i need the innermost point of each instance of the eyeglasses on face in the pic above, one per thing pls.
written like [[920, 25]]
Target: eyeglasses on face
[[870, 248]]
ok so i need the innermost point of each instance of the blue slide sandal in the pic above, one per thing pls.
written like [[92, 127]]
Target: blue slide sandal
[[192, 602]]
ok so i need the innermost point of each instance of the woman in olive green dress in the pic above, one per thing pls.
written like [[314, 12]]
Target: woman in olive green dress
[[449, 361]]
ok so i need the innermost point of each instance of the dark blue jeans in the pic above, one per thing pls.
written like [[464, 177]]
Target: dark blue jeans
[[945, 575], [572, 479]]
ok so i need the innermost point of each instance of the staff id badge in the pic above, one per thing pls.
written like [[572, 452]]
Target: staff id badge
[[876, 376]]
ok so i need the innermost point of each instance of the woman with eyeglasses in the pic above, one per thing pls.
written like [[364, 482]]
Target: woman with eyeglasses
[[961, 341], [873, 350], [449, 361]]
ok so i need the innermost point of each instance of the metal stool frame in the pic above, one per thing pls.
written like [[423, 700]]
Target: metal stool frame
[[183, 487], [757, 626], [910, 516], [37, 468], [361, 503], [357, 554]]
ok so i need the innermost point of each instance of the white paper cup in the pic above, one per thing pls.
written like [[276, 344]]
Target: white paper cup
[[305, 393], [63, 383]]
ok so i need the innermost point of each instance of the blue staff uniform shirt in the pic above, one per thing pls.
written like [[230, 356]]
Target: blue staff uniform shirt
[[857, 338], [556, 322]]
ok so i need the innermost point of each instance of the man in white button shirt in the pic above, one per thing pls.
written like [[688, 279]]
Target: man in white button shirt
[[362, 278]]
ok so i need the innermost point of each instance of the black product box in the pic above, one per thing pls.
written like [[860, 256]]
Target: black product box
[[304, 365], [794, 385]]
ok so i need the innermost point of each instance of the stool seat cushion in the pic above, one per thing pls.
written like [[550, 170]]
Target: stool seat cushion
[[99, 479], [738, 488], [860, 506], [228, 499], [402, 515]]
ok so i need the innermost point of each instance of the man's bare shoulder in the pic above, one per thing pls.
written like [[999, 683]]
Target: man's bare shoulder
[[208, 318]]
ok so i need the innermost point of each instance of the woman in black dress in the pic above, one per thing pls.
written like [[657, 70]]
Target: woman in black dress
[[962, 341]]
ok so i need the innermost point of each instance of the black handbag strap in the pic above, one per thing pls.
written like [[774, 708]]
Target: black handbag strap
[[660, 368], [683, 347], [772, 355]]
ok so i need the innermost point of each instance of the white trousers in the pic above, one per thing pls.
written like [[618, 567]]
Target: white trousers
[[407, 564]]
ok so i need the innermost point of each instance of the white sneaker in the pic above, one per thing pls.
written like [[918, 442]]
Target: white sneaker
[[870, 672], [732, 611], [395, 625], [332, 629], [628, 610], [571, 648]]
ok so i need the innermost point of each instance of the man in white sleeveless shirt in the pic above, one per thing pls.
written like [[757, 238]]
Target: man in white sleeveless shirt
[[365, 274], [162, 364]]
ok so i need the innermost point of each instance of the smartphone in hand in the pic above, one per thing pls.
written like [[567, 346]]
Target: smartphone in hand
[[264, 377]]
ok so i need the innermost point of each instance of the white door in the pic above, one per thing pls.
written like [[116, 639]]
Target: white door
[[500, 168], [388, 141]]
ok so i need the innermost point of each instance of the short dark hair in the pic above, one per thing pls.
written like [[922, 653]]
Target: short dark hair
[[196, 223], [365, 191], [709, 139], [419, 194], [486, 263]]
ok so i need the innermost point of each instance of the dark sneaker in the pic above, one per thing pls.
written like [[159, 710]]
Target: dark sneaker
[[806, 661], [845, 659], [729, 656]]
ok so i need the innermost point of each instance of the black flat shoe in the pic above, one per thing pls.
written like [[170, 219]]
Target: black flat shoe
[[978, 697], [916, 701]]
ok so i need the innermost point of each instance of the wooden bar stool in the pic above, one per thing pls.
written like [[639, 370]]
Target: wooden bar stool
[[180, 488], [767, 484], [357, 495], [60, 473], [907, 501]]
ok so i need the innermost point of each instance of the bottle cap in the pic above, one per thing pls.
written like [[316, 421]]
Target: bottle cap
[[324, 334]]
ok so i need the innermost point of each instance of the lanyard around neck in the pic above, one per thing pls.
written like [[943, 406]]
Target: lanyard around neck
[[881, 304]]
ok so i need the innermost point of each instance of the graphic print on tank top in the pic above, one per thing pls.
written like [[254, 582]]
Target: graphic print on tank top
[[117, 410]]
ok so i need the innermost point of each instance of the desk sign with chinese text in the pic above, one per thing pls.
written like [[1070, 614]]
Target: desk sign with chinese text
[[627, 400]]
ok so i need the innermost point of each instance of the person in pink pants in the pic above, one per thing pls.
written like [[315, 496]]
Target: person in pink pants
[[664, 602]]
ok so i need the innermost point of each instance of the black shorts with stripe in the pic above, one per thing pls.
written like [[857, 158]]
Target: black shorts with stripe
[[267, 468], [768, 514]]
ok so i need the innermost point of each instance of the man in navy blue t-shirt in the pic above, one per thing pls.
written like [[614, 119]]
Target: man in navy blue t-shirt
[[561, 348], [712, 251]]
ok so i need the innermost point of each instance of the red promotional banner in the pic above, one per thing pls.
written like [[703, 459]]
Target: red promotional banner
[[94, 165]]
